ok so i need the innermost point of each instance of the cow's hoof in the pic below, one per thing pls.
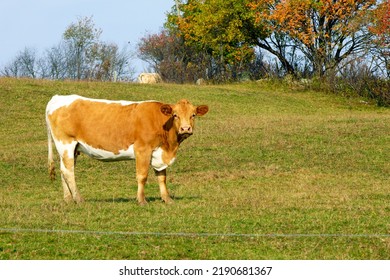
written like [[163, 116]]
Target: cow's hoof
[[68, 199], [169, 201], [142, 203], [78, 199]]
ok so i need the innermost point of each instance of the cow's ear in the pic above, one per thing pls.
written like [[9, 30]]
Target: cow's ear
[[202, 110], [166, 109]]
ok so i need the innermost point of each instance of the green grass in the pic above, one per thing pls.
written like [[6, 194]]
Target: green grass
[[265, 161]]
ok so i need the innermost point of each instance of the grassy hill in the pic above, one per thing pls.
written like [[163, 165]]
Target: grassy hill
[[270, 173]]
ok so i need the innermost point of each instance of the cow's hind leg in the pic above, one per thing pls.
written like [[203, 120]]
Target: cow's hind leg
[[52, 172], [67, 194], [67, 174]]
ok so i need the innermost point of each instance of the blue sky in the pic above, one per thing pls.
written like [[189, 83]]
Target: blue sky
[[39, 24]]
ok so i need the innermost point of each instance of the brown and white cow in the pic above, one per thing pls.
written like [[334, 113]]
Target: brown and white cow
[[149, 132]]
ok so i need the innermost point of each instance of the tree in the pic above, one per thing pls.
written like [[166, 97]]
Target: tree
[[230, 29], [381, 22], [120, 67], [169, 56], [325, 32], [24, 65], [11, 69], [79, 56], [80, 37], [106, 62], [216, 27], [381, 31], [56, 61]]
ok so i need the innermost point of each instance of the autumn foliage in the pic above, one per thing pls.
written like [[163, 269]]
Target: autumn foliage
[[381, 23], [326, 32], [303, 38]]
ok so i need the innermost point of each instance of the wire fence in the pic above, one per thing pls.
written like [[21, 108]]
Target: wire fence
[[194, 234]]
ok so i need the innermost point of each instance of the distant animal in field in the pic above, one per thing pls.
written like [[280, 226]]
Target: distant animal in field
[[148, 131], [149, 78], [200, 82]]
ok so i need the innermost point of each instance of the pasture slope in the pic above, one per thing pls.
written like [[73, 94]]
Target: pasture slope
[[270, 173]]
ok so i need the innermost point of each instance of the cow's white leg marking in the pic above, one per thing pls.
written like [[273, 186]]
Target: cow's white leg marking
[[67, 194], [162, 182], [67, 154]]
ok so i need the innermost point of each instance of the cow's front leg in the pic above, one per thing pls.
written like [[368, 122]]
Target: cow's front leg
[[142, 168], [162, 182]]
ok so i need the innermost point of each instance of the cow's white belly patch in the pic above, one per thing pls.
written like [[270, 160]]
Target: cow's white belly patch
[[104, 155], [157, 161]]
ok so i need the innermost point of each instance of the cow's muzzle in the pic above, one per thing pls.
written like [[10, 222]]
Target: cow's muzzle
[[185, 130]]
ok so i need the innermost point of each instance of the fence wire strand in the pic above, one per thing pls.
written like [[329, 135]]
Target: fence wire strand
[[192, 234]]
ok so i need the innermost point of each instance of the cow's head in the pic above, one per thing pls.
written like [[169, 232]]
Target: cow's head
[[182, 116]]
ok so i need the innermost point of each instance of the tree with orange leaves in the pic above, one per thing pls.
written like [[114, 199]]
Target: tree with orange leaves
[[325, 31], [381, 22], [381, 30]]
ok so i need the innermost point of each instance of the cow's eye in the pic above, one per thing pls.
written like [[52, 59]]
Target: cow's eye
[[175, 116], [193, 115]]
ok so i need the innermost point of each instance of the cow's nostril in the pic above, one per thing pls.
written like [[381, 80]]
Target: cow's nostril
[[186, 129]]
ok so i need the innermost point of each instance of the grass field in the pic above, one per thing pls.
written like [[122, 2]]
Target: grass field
[[270, 173]]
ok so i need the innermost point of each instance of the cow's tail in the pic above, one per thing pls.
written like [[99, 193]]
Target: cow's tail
[[52, 172]]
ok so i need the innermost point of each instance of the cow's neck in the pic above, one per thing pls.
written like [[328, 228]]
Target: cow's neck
[[174, 139], [170, 137], [170, 144]]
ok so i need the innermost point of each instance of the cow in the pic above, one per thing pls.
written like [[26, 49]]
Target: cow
[[148, 131], [149, 78]]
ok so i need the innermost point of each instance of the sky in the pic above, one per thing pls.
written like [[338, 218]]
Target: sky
[[39, 24]]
